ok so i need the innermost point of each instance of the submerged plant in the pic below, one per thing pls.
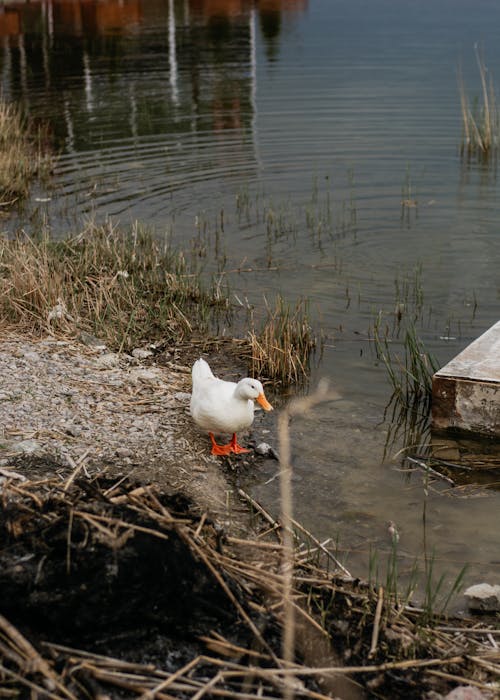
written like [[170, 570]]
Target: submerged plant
[[411, 374]]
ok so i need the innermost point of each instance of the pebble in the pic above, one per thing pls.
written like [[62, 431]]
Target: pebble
[[141, 353], [27, 446], [91, 341], [146, 376], [266, 450], [110, 359], [465, 692], [124, 452], [32, 356]]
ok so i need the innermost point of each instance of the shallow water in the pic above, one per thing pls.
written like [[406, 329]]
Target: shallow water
[[283, 137]]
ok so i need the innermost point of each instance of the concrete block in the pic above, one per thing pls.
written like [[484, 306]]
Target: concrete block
[[466, 391]]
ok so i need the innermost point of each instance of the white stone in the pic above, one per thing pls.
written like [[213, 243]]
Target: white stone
[[483, 597], [146, 376], [110, 359], [141, 353], [465, 692], [27, 446]]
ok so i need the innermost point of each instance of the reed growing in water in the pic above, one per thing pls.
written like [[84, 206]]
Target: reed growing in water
[[481, 123], [410, 374], [282, 347], [24, 154]]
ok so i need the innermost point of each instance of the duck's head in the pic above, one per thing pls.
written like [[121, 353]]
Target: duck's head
[[252, 389]]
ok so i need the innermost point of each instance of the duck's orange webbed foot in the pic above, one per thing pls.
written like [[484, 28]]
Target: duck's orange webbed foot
[[237, 449], [220, 450]]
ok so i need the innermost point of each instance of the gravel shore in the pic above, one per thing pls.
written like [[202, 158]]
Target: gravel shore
[[90, 409]]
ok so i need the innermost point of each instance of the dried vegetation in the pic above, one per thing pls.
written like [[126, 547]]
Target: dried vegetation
[[122, 287], [130, 287], [24, 154], [281, 349], [481, 123], [115, 589]]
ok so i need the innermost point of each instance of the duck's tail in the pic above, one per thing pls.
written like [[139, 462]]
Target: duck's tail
[[201, 370]]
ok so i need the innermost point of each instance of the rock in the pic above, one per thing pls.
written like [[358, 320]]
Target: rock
[[465, 692], [266, 450], [110, 359], [124, 452], [31, 356], [141, 353], [483, 597], [67, 393], [91, 341], [146, 376], [27, 446]]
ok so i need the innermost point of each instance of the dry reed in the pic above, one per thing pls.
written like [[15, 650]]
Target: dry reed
[[24, 154], [481, 124], [122, 287], [298, 406], [281, 349]]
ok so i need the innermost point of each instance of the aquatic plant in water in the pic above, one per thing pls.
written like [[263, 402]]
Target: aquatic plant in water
[[24, 153], [281, 348], [481, 122]]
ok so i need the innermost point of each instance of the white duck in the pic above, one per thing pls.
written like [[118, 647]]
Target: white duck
[[224, 407]]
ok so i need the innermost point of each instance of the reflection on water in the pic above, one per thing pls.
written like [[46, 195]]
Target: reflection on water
[[314, 145]]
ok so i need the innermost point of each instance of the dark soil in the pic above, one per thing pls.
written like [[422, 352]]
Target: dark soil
[[108, 587], [113, 582]]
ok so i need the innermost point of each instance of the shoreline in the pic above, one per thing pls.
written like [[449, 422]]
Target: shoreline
[[79, 423], [83, 405]]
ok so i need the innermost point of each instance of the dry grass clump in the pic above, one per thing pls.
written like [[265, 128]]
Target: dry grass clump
[[122, 287], [481, 123], [23, 154], [282, 348]]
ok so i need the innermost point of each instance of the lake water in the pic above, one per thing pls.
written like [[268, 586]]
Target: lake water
[[286, 134]]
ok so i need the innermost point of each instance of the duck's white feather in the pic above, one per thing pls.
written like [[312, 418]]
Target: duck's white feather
[[219, 406]]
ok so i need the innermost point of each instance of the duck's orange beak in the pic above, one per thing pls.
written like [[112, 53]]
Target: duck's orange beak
[[262, 401]]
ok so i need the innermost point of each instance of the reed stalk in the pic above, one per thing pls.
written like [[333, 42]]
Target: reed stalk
[[481, 124], [122, 287], [24, 154], [281, 349]]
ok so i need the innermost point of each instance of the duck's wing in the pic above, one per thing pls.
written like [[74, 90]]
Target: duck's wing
[[212, 404], [213, 392]]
